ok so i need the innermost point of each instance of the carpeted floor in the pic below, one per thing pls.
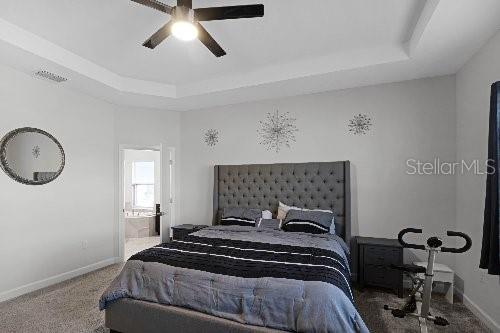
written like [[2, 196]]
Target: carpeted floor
[[370, 305], [71, 306]]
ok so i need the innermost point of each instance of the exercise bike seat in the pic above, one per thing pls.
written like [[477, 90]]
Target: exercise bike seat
[[409, 268]]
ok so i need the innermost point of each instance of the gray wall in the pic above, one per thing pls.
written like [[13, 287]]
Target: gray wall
[[42, 228], [67, 227], [473, 102], [413, 119]]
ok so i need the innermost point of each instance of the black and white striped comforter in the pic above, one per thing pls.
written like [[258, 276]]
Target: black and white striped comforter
[[252, 260], [289, 281]]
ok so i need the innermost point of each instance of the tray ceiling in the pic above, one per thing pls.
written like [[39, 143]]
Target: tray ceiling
[[298, 47]]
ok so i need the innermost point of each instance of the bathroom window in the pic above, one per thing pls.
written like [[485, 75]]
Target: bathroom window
[[143, 184]]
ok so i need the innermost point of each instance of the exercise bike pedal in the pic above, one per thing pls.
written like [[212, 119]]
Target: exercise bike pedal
[[411, 306], [398, 313], [440, 321]]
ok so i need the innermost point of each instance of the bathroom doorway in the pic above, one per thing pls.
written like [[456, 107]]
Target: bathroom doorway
[[143, 203]]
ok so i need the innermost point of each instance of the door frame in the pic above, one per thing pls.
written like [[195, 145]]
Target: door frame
[[167, 176]]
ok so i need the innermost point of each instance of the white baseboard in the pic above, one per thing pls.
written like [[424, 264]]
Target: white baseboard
[[483, 316], [13, 293]]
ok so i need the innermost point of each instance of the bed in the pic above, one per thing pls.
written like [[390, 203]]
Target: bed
[[247, 279]]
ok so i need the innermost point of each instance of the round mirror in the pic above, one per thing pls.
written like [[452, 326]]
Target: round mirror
[[31, 156]]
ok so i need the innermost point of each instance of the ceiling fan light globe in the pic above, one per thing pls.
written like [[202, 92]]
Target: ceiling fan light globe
[[184, 30]]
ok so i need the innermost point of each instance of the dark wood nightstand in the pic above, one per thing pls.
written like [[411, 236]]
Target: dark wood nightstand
[[375, 255], [179, 232]]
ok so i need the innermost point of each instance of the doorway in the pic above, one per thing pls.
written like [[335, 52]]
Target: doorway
[[144, 197]]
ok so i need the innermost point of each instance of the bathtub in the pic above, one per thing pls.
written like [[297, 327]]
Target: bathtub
[[140, 225]]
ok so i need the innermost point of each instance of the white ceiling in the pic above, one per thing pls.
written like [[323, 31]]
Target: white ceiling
[[298, 47]]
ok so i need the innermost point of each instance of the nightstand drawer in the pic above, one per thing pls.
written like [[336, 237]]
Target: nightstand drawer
[[381, 255], [381, 276], [375, 256]]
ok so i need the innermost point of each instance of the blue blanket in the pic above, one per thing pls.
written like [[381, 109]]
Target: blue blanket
[[282, 280]]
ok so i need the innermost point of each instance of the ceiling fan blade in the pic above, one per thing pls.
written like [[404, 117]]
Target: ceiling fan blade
[[185, 3], [155, 5], [209, 42], [228, 13], [158, 36]]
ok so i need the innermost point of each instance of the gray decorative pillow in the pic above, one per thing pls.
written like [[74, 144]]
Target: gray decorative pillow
[[312, 221], [269, 224], [283, 209], [240, 216]]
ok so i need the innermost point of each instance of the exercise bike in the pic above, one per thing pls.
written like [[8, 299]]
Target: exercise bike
[[418, 304]]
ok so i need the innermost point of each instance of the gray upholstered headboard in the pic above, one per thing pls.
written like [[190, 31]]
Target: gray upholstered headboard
[[321, 185]]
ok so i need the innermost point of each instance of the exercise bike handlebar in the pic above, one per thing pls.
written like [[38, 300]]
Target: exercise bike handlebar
[[465, 248], [409, 245]]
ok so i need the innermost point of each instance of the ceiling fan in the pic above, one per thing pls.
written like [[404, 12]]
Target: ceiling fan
[[185, 23]]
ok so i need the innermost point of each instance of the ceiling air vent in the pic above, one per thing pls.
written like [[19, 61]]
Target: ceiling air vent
[[50, 76]]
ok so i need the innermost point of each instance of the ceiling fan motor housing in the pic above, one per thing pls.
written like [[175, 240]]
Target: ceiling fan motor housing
[[181, 13], [185, 23]]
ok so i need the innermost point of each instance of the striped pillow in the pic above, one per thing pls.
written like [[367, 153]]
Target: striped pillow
[[313, 221], [283, 209], [241, 216]]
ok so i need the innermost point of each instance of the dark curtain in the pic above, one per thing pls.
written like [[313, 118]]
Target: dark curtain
[[490, 252]]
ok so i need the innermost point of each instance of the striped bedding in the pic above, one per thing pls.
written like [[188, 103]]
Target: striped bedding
[[264, 277], [252, 260]]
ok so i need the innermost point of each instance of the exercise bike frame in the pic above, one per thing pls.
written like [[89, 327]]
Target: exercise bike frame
[[433, 247]]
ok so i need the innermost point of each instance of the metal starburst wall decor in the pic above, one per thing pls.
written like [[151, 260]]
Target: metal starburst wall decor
[[36, 151], [277, 130], [360, 124], [211, 137]]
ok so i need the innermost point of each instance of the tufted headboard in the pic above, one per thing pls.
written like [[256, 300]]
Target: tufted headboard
[[321, 185]]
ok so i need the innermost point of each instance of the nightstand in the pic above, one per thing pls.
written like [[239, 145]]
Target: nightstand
[[375, 256], [179, 232]]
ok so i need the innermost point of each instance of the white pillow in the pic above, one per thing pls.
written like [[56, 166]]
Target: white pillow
[[267, 215], [283, 209]]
